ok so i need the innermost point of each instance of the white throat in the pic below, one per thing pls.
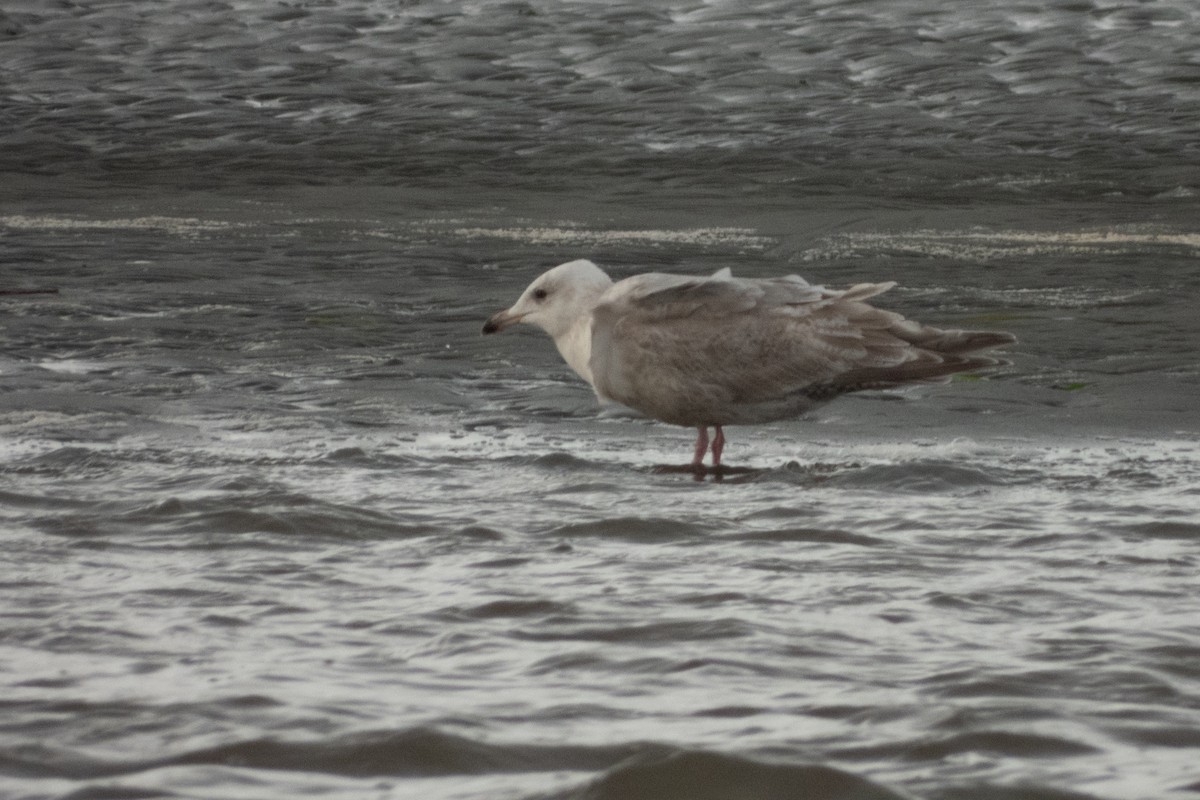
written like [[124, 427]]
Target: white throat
[[575, 346]]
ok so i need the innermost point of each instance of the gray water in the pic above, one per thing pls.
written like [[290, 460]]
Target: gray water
[[278, 522]]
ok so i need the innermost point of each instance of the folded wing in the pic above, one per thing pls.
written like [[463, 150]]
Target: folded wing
[[724, 350]]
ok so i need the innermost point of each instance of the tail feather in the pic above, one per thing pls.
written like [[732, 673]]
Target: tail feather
[[928, 355], [931, 369], [893, 351], [950, 342]]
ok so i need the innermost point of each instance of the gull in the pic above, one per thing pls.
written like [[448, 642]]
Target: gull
[[706, 352]]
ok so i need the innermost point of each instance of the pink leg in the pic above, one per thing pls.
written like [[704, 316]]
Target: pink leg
[[717, 446], [701, 447]]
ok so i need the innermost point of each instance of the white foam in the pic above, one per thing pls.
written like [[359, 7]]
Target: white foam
[[706, 237], [175, 225], [980, 245]]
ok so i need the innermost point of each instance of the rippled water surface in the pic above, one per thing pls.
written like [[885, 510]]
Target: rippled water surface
[[279, 522]]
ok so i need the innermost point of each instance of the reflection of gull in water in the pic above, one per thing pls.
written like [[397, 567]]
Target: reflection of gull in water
[[708, 352]]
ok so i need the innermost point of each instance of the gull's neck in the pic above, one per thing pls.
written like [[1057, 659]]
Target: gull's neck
[[575, 346]]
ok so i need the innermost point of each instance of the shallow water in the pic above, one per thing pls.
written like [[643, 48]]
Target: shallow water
[[278, 520]]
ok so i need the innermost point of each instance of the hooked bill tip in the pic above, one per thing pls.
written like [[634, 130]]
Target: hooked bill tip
[[501, 320]]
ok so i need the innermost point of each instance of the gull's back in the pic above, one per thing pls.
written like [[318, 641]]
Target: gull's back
[[724, 350]]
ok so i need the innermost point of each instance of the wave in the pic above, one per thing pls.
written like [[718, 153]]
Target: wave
[[920, 477], [703, 775], [415, 752], [273, 513], [629, 771], [809, 535], [634, 529], [674, 630], [994, 742]]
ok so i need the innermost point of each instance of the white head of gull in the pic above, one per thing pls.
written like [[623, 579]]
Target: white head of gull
[[712, 351]]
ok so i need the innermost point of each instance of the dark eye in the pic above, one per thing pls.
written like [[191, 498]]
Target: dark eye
[[539, 294]]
